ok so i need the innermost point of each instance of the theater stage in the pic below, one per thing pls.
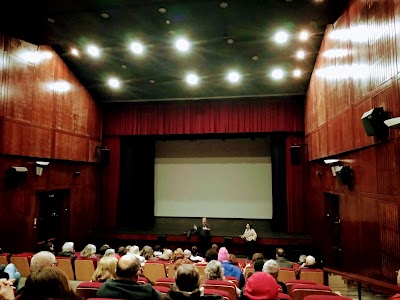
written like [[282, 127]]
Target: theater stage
[[170, 232]]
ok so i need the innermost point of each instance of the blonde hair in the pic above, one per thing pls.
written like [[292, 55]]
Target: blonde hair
[[105, 270], [166, 254], [88, 251]]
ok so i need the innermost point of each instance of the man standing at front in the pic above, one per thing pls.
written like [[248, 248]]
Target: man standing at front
[[203, 232], [126, 286]]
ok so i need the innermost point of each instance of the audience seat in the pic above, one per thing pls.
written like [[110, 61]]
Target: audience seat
[[4, 258], [171, 270], [84, 269], [165, 281], [316, 275], [221, 285], [88, 289], [286, 274], [291, 283], [299, 291], [142, 280], [248, 271], [22, 263], [225, 295], [153, 271], [284, 296], [326, 297], [162, 289], [233, 279], [201, 267], [65, 264]]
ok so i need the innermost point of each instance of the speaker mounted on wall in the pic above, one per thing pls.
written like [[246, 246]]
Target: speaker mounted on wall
[[373, 122], [345, 175]]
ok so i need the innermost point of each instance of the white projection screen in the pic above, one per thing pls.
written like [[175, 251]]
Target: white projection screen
[[215, 178]]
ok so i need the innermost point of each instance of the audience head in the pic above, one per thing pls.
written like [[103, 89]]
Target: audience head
[[310, 260], [398, 278], [134, 250], [261, 286], [109, 253], [157, 248], [204, 221], [233, 259], [68, 247], [257, 256], [248, 226], [128, 267], [223, 254], [194, 250], [41, 260], [187, 253], [106, 268], [178, 254], [214, 246], [48, 283], [187, 278], [167, 254], [211, 254], [103, 249], [121, 251], [147, 252], [271, 267], [258, 265], [280, 252], [302, 259], [88, 251], [214, 270]]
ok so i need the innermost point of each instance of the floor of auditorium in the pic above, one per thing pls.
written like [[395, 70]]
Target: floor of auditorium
[[335, 282]]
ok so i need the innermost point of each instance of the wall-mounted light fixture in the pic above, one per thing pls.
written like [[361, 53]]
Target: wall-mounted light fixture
[[39, 167]]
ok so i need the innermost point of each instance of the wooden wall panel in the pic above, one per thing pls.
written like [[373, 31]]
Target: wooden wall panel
[[366, 171], [387, 172], [396, 10], [2, 64], [70, 147], [338, 130]]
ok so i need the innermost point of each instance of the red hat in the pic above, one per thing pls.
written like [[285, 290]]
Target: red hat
[[261, 286]]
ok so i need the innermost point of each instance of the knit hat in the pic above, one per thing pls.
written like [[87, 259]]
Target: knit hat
[[223, 254], [261, 286]]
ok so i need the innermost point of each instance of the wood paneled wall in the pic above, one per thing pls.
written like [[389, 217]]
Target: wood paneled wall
[[364, 74], [45, 113]]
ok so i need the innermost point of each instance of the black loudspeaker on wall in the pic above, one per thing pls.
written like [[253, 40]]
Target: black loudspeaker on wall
[[295, 155], [372, 121]]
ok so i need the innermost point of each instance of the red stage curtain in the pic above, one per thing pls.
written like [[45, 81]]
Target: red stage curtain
[[204, 117]]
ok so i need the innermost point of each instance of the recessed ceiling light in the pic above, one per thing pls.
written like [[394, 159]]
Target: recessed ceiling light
[[223, 4], [104, 15], [93, 51], [124, 66], [51, 20], [75, 52], [182, 45], [255, 57], [300, 54], [162, 10], [114, 83], [172, 32], [277, 74], [233, 77], [167, 22], [152, 81], [230, 41], [297, 73], [137, 48], [192, 79], [281, 37], [303, 36]]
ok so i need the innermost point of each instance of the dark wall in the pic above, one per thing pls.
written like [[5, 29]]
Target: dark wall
[[341, 90]]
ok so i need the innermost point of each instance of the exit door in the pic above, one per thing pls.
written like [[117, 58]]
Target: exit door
[[333, 228]]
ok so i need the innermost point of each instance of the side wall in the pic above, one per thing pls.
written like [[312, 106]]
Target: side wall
[[358, 68], [45, 114]]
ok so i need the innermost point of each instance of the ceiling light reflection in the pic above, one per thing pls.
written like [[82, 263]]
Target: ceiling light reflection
[[59, 86], [277, 74], [281, 37], [297, 73], [182, 45], [34, 57], [304, 35], [192, 79], [233, 77], [93, 51], [137, 48], [300, 54]]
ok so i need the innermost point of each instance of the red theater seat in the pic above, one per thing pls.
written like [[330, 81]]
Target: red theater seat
[[316, 275], [225, 295], [22, 262], [291, 283], [88, 289], [165, 281], [284, 296], [326, 297], [299, 291], [221, 285], [162, 289]]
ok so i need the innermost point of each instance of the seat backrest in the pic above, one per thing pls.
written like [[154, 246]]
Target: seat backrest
[[299, 291], [84, 269], [326, 297], [248, 271], [142, 280], [171, 270], [286, 274], [165, 281], [291, 283], [202, 270], [162, 289], [88, 289], [3, 260], [284, 296], [154, 271], [225, 295], [316, 275], [65, 264], [233, 279], [221, 285], [21, 262]]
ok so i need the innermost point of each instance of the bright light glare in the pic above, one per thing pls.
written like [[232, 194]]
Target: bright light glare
[[281, 37], [335, 53], [59, 86], [182, 45], [233, 76], [75, 51], [137, 48], [277, 74], [297, 73], [300, 54], [35, 57], [192, 79], [304, 36], [114, 83], [93, 51]]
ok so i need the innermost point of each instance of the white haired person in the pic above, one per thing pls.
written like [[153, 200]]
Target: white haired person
[[68, 250], [134, 250], [309, 264], [90, 252], [271, 267]]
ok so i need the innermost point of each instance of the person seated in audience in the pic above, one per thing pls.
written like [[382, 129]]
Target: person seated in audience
[[46, 246], [48, 283], [230, 270], [68, 250], [121, 251], [90, 252], [281, 260], [102, 250], [105, 269], [211, 254], [7, 289], [258, 267], [110, 253], [134, 250], [166, 256], [147, 253], [302, 259], [125, 286], [157, 251], [215, 271], [179, 258], [195, 257], [10, 272], [187, 285], [397, 296], [260, 286], [272, 267], [177, 254]]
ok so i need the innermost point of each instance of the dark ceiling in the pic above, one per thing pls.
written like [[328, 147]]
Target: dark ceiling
[[159, 73]]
